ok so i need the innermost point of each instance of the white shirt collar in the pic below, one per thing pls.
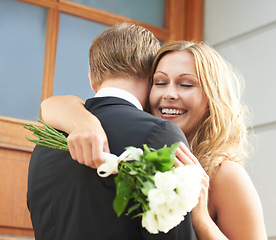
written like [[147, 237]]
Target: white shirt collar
[[117, 92]]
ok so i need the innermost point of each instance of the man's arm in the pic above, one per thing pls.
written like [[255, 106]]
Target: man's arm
[[87, 139]]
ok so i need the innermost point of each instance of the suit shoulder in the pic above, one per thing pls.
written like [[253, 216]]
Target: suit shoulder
[[158, 128], [164, 133]]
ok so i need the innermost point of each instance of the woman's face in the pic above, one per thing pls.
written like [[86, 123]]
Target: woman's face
[[176, 94]]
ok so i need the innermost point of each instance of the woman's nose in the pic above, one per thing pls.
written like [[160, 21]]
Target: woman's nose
[[170, 93]]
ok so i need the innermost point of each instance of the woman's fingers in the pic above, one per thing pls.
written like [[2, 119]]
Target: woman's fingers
[[186, 150], [185, 155], [80, 148], [87, 145], [182, 157], [177, 162], [71, 149], [205, 180]]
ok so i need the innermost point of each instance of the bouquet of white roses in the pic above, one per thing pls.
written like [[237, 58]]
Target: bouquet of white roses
[[163, 193]]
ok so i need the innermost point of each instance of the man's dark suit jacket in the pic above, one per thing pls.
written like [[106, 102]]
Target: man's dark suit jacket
[[69, 201]]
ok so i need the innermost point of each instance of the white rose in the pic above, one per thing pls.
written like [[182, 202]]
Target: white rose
[[164, 225], [149, 221], [188, 185], [169, 221], [156, 198], [187, 204], [172, 199], [188, 174], [166, 180], [161, 200]]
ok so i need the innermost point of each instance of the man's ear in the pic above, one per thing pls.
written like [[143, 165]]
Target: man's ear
[[92, 83]]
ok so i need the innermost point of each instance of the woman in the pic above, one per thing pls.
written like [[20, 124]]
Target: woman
[[195, 88]]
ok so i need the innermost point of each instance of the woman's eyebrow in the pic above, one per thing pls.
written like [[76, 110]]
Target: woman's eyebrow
[[161, 72], [181, 75], [184, 74]]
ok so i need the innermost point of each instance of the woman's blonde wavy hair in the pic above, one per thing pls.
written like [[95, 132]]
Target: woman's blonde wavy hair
[[222, 132]]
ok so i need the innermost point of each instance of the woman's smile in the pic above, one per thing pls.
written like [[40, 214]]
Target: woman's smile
[[168, 111]]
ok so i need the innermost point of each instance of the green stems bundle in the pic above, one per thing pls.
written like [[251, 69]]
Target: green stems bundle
[[48, 136]]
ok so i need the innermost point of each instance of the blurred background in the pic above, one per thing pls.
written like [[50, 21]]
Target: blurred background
[[44, 51]]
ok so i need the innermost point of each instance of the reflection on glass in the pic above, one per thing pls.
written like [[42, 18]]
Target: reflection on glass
[[72, 63], [149, 11], [22, 45]]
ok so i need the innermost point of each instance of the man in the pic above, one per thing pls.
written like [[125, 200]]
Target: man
[[68, 200]]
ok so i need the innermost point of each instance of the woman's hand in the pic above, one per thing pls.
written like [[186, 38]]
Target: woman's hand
[[86, 143], [200, 213]]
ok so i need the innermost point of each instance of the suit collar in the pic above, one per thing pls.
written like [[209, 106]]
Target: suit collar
[[95, 102], [119, 93]]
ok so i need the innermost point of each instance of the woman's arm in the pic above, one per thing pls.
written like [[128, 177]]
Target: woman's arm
[[237, 204], [234, 200], [87, 139], [205, 227]]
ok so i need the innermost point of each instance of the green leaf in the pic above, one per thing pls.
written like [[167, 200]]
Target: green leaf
[[118, 178], [146, 148], [162, 158], [122, 197], [151, 156], [174, 147], [132, 208], [148, 185]]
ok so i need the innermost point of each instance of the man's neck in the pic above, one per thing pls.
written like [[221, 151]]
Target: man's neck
[[139, 88], [119, 93]]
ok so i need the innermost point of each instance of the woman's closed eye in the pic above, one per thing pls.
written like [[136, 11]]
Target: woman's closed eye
[[159, 83], [186, 85]]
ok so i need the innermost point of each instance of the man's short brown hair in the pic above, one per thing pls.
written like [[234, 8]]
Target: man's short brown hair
[[124, 50]]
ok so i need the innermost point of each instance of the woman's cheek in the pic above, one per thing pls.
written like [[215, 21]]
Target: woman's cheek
[[151, 97], [152, 100]]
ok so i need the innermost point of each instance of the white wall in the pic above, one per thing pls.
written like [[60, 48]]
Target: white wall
[[244, 32]]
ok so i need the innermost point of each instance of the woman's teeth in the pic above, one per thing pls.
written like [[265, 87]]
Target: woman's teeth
[[171, 111]]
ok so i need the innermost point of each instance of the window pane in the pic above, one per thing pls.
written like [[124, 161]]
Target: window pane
[[22, 45], [149, 11], [72, 63]]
